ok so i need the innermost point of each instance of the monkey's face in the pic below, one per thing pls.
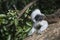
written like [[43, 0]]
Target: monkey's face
[[39, 17]]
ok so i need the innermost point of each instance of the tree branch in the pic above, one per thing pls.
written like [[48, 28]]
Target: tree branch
[[53, 18], [27, 6]]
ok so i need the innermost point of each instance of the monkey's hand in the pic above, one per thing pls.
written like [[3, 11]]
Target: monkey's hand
[[39, 32], [31, 31], [43, 27]]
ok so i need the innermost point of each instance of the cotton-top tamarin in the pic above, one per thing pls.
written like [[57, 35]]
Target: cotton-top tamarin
[[39, 24]]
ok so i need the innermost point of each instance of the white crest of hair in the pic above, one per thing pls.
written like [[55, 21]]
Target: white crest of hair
[[34, 13]]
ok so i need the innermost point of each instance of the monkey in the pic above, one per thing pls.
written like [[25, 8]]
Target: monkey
[[35, 13], [39, 24]]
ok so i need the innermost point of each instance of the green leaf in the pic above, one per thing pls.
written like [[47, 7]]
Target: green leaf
[[9, 37], [27, 29], [29, 24], [16, 22], [2, 15], [4, 28], [19, 30]]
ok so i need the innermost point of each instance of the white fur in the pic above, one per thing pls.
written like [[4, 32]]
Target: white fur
[[34, 13], [43, 23], [32, 31]]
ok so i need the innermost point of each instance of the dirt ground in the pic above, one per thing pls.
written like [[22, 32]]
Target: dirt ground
[[51, 33]]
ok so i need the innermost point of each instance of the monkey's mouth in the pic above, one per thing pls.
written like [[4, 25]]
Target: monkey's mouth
[[38, 27]]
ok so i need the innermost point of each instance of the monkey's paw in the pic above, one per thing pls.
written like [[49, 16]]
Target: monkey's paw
[[39, 32]]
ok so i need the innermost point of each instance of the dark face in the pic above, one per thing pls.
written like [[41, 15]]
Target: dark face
[[38, 17]]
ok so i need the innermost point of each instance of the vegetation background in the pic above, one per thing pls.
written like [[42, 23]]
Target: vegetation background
[[14, 25]]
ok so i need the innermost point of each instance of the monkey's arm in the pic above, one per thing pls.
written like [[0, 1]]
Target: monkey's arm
[[32, 31], [43, 27]]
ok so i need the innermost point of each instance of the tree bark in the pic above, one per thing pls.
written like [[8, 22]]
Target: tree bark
[[53, 18], [27, 6]]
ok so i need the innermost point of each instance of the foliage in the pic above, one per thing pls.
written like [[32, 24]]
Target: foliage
[[12, 28], [17, 29], [48, 6]]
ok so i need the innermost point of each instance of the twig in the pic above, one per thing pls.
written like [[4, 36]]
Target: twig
[[27, 6]]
